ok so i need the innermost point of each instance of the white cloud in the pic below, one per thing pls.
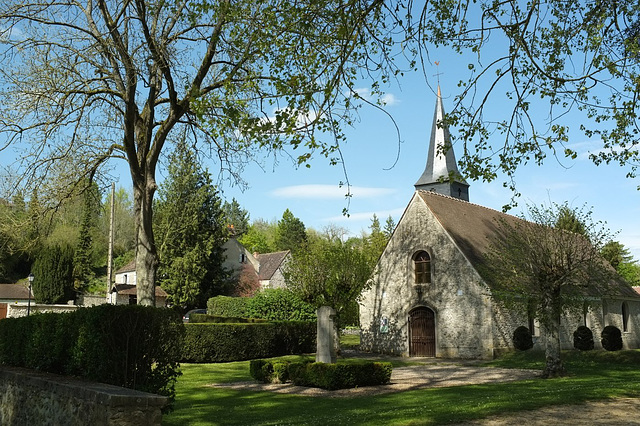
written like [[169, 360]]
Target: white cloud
[[387, 99], [318, 191]]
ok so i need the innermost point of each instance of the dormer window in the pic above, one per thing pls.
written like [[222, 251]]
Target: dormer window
[[422, 267]]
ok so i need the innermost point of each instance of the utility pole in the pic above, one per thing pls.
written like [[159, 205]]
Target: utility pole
[[110, 255]]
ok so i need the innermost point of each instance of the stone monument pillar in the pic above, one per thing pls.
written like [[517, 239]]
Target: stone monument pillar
[[325, 351]]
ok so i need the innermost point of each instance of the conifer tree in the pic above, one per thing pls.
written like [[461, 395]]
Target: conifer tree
[[190, 227], [53, 275]]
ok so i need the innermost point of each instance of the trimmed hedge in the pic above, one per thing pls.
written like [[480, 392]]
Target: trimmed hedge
[[583, 338], [275, 304], [522, 339], [226, 306], [322, 375], [206, 318], [133, 346], [611, 338], [279, 304], [212, 342]]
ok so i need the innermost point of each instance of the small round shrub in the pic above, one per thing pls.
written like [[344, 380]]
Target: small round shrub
[[611, 338], [583, 338], [522, 339]]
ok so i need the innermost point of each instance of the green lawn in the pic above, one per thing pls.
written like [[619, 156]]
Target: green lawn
[[593, 375]]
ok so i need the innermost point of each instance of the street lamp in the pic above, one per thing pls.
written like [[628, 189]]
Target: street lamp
[[29, 303]]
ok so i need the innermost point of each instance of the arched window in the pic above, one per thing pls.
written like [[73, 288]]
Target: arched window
[[625, 317], [422, 265]]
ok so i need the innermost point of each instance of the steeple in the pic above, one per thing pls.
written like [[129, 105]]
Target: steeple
[[441, 174]]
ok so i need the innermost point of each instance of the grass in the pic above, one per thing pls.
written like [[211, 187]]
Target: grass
[[592, 375]]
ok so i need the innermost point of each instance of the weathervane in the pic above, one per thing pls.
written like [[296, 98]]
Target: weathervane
[[437, 74]]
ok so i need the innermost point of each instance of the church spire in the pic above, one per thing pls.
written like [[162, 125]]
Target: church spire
[[441, 174]]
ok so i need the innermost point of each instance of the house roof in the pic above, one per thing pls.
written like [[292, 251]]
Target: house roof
[[14, 291], [269, 263], [125, 289], [129, 267], [637, 289], [472, 227]]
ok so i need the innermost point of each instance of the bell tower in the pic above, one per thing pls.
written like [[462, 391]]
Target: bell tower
[[441, 174]]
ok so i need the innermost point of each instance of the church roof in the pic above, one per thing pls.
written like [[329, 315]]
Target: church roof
[[439, 167], [270, 262], [472, 227]]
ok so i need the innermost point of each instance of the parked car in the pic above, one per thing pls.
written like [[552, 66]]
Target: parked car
[[186, 316]]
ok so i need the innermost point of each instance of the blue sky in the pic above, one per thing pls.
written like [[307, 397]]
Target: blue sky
[[382, 171], [384, 187]]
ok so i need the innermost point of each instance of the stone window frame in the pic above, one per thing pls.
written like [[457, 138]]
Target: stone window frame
[[605, 312], [625, 317], [414, 267]]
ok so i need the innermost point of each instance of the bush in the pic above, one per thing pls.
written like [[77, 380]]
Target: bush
[[269, 371], [322, 375], [132, 346], [611, 338], [279, 304], [583, 338], [226, 306], [236, 342], [522, 339]]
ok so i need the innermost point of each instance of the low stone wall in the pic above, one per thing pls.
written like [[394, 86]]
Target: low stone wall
[[29, 397], [20, 310]]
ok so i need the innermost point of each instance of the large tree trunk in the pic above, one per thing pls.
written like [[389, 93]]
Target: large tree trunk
[[146, 254], [554, 366]]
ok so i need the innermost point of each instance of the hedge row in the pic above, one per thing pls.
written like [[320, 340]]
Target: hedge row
[[210, 342], [205, 318], [276, 304], [322, 375], [132, 346]]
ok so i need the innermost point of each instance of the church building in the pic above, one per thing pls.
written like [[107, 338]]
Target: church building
[[428, 297]]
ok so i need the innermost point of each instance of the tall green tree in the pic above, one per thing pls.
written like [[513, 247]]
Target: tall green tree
[[621, 259], [330, 273], [237, 217], [549, 272], [86, 82], [291, 233], [53, 275], [191, 230]]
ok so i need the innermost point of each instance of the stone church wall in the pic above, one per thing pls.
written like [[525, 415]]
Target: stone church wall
[[462, 310]]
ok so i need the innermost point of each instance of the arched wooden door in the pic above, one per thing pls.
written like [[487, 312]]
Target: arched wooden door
[[422, 332]]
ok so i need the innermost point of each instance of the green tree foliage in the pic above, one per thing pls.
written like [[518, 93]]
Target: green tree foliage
[[568, 221], [260, 238], [539, 61], [533, 266], [621, 259], [331, 273], [87, 82], [191, 230], [291, 233], [53, 275], [83, 261], [389, 227], [376, 241], [237, 217]]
